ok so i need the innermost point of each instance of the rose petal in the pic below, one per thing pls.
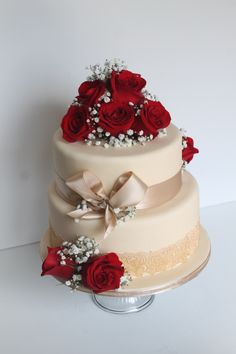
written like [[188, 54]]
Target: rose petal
[[61, 271], [51, 261]]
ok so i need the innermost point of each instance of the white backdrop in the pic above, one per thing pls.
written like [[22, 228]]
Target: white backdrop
[[185, 49]]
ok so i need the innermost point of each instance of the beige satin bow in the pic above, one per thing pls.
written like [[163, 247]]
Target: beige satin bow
[[127, 192]]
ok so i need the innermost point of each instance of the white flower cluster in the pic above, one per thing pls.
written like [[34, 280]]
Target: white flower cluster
[[125, 279], [184, 144], [124, 140], [149, 96], [131, 138], [81, 206], [184, 136], [125, 214], [75, 282], [104, 72], [79, 251]]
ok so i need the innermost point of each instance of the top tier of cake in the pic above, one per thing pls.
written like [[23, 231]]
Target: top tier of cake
[[153, 163]]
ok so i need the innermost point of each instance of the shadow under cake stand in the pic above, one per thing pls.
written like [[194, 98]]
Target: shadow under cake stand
[[140, 292]]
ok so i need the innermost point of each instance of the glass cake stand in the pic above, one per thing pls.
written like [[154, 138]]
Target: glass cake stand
[[140, 292], [122, 304]]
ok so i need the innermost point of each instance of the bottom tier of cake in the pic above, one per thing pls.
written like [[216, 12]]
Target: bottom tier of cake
[[154, 283], [156, 240]]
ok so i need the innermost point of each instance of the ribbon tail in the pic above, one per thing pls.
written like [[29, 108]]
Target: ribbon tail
[[88, 186], [110, 221], [108, 231], [161, 193]]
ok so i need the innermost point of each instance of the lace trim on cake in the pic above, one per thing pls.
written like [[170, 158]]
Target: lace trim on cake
[[139, 264], [150, 263]]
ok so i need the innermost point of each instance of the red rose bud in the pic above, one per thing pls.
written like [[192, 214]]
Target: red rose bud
[[190, 150], [74, 124], [154, 116], [52, 266], [126, 86], [102, 273], [91, 91], [116, 117]]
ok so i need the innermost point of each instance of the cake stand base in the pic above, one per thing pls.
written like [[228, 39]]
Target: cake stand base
[[123, 305]]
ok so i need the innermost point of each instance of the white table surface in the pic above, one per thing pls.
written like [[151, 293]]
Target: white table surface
[[39, 316]]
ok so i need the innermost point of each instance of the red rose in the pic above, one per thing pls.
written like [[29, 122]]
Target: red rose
[[90, 91], [154, 116], [74, 124], [116, 117], [52, 266], [126, 86], [102, 273], [189, 151]]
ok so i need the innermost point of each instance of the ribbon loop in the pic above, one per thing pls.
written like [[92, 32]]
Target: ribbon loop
[[88, 186], [127, 191]]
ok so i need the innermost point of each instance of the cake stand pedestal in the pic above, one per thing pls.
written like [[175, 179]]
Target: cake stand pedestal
[[139, 294], [122, 305]]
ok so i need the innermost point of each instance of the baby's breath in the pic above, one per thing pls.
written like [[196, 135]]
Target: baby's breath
[[99, 72]]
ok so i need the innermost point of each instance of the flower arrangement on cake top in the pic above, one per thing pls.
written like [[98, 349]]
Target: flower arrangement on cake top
[[113, 108]]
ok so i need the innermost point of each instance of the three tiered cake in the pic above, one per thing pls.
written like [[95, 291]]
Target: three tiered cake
[[122, 206]]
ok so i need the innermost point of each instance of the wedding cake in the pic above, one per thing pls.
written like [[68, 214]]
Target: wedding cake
[[122, 205]]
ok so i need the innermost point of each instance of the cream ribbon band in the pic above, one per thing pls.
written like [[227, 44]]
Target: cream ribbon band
[[128, 192]]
